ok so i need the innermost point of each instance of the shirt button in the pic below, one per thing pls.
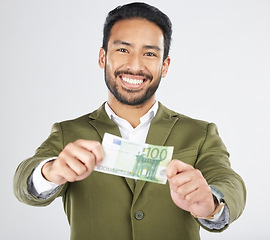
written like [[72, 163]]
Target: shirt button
[[139, 215]]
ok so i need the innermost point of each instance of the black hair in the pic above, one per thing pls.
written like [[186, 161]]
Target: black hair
[[143, 11]]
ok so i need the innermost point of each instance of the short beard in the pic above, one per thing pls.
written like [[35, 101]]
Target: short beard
[[113, 88]]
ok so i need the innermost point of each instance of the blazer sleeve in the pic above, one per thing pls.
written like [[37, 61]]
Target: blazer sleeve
[[50, 148], [213, 162]]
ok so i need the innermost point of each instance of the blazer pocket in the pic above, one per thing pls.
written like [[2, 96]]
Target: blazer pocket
[[187, 155]]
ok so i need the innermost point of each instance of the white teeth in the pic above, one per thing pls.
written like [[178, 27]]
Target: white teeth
[[132, 81]]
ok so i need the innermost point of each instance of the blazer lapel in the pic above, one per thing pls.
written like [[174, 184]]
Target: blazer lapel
[[161, 126], [102, 123], [159, 132]]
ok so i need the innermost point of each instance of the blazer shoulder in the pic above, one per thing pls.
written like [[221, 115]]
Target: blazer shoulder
[[88, 126], [80, 119], [182, 118], [99, 113], [84, 119]]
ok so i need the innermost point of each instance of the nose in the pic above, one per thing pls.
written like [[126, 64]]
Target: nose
[[135, 63]]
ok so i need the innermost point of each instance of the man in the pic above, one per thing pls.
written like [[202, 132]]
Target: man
[[202, 189]]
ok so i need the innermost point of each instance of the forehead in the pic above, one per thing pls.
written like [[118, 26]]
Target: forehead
[[137, 31]]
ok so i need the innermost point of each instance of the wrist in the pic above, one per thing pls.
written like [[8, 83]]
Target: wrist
[[213, 214], [219, 203], [40, 183], [46, 169]]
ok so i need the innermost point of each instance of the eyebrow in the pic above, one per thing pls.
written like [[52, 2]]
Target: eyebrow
[[152, 47], [120, 42]]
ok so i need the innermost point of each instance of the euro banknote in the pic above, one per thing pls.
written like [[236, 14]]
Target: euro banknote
[[134, 160]]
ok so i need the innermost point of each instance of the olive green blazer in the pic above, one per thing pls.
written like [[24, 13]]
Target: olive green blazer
[[105, 206]]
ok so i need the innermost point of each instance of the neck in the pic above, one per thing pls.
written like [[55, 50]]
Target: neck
[[130, 113]]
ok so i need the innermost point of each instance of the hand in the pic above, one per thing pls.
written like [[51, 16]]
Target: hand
[[74, 163], [189, 189]]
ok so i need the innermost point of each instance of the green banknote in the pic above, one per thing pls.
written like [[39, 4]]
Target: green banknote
[[133, 160]]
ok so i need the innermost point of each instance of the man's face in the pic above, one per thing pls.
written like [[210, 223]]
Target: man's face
[[133, 62]]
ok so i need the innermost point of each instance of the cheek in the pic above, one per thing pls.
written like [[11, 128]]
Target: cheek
[[156, 70], [113, 64], [154, 65], [109, 67]]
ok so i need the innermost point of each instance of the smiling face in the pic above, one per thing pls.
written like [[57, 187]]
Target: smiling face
[[133, 62]]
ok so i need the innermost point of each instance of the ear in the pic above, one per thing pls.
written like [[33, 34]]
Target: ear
[[102, 58], [165, 66]]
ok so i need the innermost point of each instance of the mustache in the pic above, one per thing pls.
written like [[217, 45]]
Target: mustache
[[140, 73]]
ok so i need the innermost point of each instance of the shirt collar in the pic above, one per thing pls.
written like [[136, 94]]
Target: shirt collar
[[145, 118]]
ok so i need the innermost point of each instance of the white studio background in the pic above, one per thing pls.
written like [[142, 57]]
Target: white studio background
[[219, 72]]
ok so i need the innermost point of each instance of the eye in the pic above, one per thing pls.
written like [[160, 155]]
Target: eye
[[123, 50], [150, 54]]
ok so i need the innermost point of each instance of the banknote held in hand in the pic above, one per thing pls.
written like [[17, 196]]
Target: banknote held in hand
[[134, 160]]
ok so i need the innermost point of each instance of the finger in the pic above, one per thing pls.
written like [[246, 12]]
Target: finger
[[77, 166], [69, 174], [84, 161], [89, 161], [185, 190], [75, 156], [175, 167], [62, 169], [94, 147], [180, 180], [198, 196], [71, 157]]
